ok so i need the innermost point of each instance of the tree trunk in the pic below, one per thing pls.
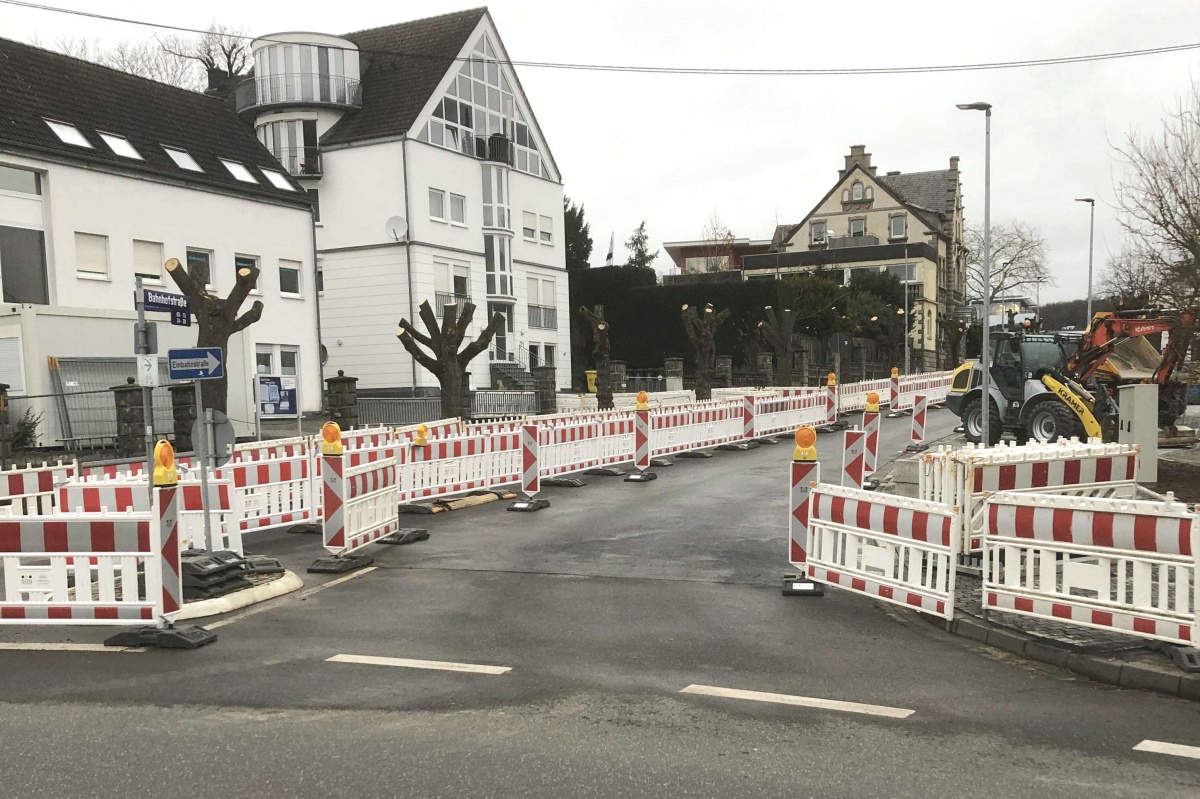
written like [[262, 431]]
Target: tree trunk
[[706, 359], [452, 382], [783, 365], [215, 393]]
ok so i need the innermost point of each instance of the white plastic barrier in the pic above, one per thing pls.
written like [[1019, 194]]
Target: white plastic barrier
[[458, 465], [273, 491], [783, 414], [694, 427], [1123, 565], [29, 490], [574, 446], [625, 400], [893, 548], [934, 386], [853, 396], [361, 502]]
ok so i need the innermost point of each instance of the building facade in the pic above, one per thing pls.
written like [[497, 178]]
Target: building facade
[[713, 255], [909, 224], [104, 176], [433, 183]]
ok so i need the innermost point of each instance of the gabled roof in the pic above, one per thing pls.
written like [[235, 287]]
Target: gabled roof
[[37, 84], [407, 61], [924, 189]]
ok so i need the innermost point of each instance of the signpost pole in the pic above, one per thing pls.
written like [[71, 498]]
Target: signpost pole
[[257, 408], [142, 348], [201, 446]]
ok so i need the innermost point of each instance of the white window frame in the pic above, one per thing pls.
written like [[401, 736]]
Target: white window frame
[[277, 179], [269, 351], [462, 203], [441, 195], [68, 133], [182, 158], [89, 274], [15, 389], [892, 234], [146, 278], [294, 350], [257, 290], [239, 171], [812, 234], [299, 270], [546, 230], [529, 232], [211, 285], [860, 221], [856, 191], [120, 145]]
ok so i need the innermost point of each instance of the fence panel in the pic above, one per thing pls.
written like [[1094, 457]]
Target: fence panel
[[700, 426], [935, 386], [1123, 565], [29, 490], [504, 403], [774, 415], [398, 410]]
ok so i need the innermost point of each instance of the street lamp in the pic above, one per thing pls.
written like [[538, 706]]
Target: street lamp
[[986, 108], [1091, 239]]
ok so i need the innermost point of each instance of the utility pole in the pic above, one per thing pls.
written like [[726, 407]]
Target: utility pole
[[145, 343]]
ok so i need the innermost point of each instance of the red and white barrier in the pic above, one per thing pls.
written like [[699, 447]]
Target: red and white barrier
[[783, 414], [870, 426], [458, 465], [852, 397], [568, 446], [641, 440], [531, 478], [887, 547], [935, 386], [804, 475], [831, 402], [701, 426], [273, 491], [29, 490], [1125, 565], [854, 458], [917, 438]]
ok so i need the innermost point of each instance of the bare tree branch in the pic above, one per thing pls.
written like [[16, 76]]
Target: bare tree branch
[[1018, 260], [248, 318]]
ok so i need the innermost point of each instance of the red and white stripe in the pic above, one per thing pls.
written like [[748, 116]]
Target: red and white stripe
[[1053, 471], [110, 533], [884, 514], [166, 531], [32, 480], [1126, 621], [870, 426], [831, 404], [863, 585], [641, 440], [285, 470], [531, 482], [854, 459], [804, 474], [920, 406], [90, 497], [748, 417], [333, 503], [369, 481], [894, 399]]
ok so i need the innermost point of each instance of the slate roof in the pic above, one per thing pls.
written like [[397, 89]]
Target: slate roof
[[407, 62], [37, 84], [925, 189]]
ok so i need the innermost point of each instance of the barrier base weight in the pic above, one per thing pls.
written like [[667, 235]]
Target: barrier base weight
[[916, 448], [605, 471], [307, 528], [563, 482], [870, 484], [1186, 658], [163, 638], [339, 564], [695, 453], [529, 504], [661, 463], [767, 441], [738, 446], [405, 535], [801, 585], [640, 477]]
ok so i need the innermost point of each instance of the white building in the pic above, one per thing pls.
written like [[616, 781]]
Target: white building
[[103, 176], [447, 142]]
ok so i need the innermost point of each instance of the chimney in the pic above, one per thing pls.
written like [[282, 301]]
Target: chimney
[[896, 172], [858, 155], [216, 77]]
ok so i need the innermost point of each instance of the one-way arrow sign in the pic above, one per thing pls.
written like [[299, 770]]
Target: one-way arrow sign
[[203, 363]]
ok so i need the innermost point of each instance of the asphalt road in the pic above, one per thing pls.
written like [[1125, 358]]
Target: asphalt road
[[603, 608]]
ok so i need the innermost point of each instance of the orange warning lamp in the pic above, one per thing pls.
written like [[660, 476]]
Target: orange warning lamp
[[895, 372], [421, 439], [164, 464], [873, 402], [331, 435], [832, 379], [806, 439], [643, 401]]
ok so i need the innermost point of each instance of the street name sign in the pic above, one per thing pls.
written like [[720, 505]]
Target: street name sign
[[201, 363]]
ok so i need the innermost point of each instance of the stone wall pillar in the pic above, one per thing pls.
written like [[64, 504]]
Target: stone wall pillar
[[673, 369], [5, 427], [343, 400], [183, 414], [545, 383], [723, 372], [131, 419], [617, 370], [766, 368]]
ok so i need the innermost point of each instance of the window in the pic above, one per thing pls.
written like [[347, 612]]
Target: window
[[548, 355], [69, 134], [148, 260], [289, 361], [458, 209], [818, 232], [437, 205], [91, 255], [462, 281], [858, 227], [264, 359], [289, 277], [856, 191], [547, 229], [12, 370], [183, 159], [120, 145], [241, 262], [314, 196], [23, 265], [21, 181], [495, 197], [897, 227], [497, 258], [238, 171], [320, 280], [199, 266], [529, 226], [277, 180]]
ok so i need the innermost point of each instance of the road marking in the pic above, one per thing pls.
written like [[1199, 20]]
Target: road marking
[[406, 663], [302, 595], [31, 647], [1179, 750], [801, 701]]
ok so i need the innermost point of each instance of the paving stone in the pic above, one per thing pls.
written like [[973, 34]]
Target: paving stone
[[1140, 675]]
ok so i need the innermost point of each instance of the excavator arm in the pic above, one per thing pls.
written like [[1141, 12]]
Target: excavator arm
[[1109, 331]]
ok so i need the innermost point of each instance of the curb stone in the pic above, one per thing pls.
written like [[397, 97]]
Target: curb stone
[[1100, 669]]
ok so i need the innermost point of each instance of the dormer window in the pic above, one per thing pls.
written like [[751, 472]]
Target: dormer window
[[818, 232], [68, 134], [856, 191]]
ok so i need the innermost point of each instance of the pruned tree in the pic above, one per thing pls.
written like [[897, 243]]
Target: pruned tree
[[717, 250], [444, 360], [216, 319], [1159, 200], [1018, 261], [778, 330], [1131, 281], [601, 353], [222, 47], [701, 329]]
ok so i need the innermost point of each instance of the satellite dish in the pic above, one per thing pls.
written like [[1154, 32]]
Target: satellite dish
[[397, 228]]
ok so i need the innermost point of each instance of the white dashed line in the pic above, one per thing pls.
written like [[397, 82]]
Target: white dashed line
[[406, 663], [1179, 750], [67, 648], [799, 701]]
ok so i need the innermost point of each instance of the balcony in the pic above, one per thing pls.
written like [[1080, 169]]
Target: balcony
[[443, 298], [301, 89], [301, 162], [544, 317]]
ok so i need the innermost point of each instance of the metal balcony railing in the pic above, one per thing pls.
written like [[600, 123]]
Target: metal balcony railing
[[543, 316], [300, 161], [298, 88], [444, 298]]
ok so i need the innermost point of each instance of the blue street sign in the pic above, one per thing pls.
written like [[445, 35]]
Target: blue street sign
[[202, 363], [164, 302]]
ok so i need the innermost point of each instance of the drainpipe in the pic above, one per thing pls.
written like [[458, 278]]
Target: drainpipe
[[320, 361], [412, 314]]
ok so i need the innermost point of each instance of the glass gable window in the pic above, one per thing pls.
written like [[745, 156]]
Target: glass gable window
[[497, 257], [495, 197], [479, 102]]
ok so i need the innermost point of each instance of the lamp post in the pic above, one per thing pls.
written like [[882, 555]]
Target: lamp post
[[985, 360], [1091, 239], [907, 316]]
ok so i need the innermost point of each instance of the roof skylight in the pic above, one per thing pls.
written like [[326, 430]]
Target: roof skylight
[[277, 180], [68, 134], [183, 159], [238, 171], [120, 145]]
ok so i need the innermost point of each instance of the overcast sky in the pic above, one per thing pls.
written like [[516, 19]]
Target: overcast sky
[[672, 148]]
